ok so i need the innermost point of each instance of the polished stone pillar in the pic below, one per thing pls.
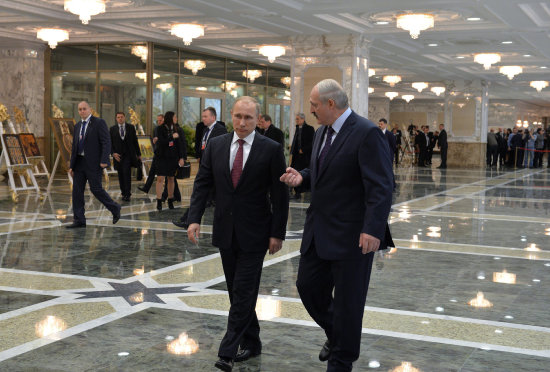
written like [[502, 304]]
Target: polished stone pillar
[[343, 58]]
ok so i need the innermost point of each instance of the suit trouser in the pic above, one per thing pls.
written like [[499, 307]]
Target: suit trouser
[[125, 176], [242, 273], [93, 177], [340, 316], [443, 151]]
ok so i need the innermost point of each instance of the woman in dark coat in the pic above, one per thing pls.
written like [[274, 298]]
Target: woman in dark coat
[[170, 153]]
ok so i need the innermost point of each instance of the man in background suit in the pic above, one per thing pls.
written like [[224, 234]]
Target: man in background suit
[[89, 156], [126, 153], [392, 144], [351, 181], [212, 129], [442, 145], [301, 146], [271, 131], [199, 132], [249, 219], [421, 144]]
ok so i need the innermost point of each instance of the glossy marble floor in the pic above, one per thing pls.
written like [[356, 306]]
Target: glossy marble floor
[[138, 296]]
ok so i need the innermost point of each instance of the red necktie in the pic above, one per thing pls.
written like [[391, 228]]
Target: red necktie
[[237, 169]]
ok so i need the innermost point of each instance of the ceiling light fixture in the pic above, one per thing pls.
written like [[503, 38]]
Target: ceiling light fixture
[[527, 55], [473, 19], [432, 44], [419, 86], [511, 71], [392, 79], [487, 59], [52, 36], [437, 90], [85, 9], [382, 22], [164, 86], [372, 72], [507, 42], [143, 76], [286, 81], [371, 90], [272, 52], [252, 74], [539, 84], [195, 65], [140, 51], [391, 95], [415, 22], [187, 31], [407, 97]]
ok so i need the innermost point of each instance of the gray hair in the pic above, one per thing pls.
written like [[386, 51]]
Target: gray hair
[[251, 100], [330, 89], [301, 114]]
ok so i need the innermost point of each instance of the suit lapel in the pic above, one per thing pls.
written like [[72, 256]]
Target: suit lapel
[[251, 157], [316, 148], [226, 156]]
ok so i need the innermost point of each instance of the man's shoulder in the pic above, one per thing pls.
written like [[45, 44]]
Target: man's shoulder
[[215, 141]]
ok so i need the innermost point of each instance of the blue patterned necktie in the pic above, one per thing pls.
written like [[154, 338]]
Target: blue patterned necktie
[[122, 131], [326, 148], [81, 138]]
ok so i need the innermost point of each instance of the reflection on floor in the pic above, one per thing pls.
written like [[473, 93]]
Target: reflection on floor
[[466, 288]]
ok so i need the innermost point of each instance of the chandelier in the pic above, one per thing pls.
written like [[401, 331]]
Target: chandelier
[[419, 86], [140, 51], [392, 79], [414, 23], [272, 52], [164, 86], [371, 90], [187, 31], [407, 97], [391, 95], [85, 9], [487, 59], [286, 81], [437, 90], [518, 123], [143, 76], [511, 71], [195, 65], [52, 36], [229, 85], [539, 84], [252, 74], [372, 72]]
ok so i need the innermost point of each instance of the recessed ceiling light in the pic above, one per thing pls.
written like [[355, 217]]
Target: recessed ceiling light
[[507, 42], [527, 55], [473, 19], [460, 57], [432, 44], [382, 22], [543, 67]]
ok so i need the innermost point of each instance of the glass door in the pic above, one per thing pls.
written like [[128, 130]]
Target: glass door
[[279, 110]]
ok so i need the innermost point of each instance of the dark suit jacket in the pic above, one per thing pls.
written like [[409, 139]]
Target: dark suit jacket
[[442, 140], [420, 140], [257, 208], [306, 143], [199, 133], [392, 143], [217, 130], [275, 134], [351, 193], [128, 147], [97, 144]]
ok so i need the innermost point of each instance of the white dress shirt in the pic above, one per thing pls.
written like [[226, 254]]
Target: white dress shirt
[[336, 126], [247, 145], [87, 120]]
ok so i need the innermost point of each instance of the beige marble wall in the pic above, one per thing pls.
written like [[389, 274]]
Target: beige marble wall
[[22, 77], [379, 108], [466, 155]]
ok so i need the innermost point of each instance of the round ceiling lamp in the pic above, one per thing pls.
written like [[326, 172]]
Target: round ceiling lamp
[[391, 95], [140, 51], [371, 90], [407, 97], [272, 52], [419, 86], [415, 22], [392, 79], [252, 74], [437, 90], [52, 36], [539, 84], [487, 59], [85, 9], [372, 72], [511, 71], [187, 31], [195, 65]]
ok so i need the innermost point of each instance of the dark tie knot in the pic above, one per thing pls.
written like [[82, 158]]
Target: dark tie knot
[[241, 142], [330, 131]]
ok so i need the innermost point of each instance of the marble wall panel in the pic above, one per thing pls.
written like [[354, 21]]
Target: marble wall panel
[[466, 155]]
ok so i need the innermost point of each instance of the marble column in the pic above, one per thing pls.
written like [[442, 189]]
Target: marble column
[[343, 58]]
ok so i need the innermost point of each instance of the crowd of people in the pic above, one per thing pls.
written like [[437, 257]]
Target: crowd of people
[[517, 147]]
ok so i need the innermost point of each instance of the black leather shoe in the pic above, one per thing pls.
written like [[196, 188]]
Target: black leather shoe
[[245, 354], [180, 223], [126, 198], [142, 188], [75, 225], [225, 364], [324, 354], [116, 217]]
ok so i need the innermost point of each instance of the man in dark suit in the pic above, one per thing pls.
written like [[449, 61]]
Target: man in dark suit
[[392, 145], [90, 154], [302, 144], [271, 131], [212, 129], [351, 181], [199, 131], [125, 151], [249, 219], [421, 145], [442, 145]]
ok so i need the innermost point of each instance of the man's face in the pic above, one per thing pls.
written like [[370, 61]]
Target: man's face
[[441, 127], [84, 110], [321, 111], [244, 117], [120, 118], [515, 130], [426, 130], [261, 122], [160, 119], [382, 125], [207, 118], [299, 120]]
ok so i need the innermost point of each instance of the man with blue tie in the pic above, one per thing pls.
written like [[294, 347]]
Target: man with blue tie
[[89, 156], [350, 178]]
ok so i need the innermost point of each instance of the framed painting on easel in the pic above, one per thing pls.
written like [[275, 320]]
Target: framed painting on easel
[[63, 130]]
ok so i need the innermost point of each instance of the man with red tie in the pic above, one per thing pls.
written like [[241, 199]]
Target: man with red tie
[[249, 220]]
